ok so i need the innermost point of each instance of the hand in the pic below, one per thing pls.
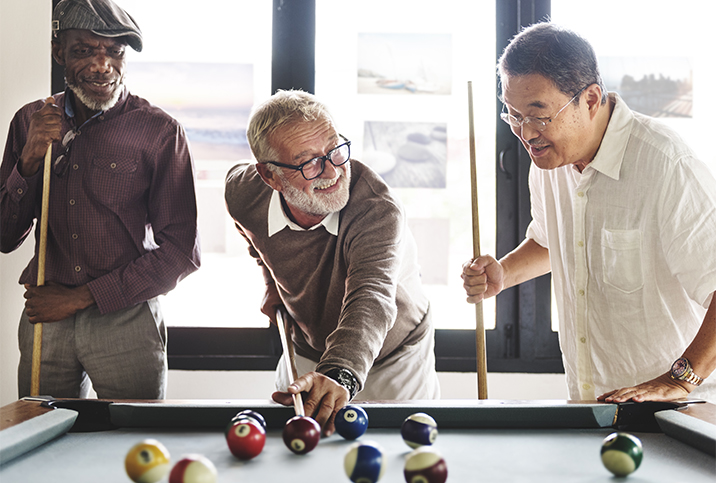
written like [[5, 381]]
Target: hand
[[323, 397], [483, 277], [45, 126], [54, 302], [663, 388]]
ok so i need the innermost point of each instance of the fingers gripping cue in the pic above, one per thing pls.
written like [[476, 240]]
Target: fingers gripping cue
[[289, 357]]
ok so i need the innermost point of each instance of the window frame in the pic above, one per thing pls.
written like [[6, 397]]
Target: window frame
[[522, 340]]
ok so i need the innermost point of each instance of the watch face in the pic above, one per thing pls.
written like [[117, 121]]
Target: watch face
[[679, 367]]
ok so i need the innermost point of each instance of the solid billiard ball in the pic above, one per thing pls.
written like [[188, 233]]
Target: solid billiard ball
[[251, 414], [351, 421], [425, 465], [147, 461], [419, 429], [364, 462], [622, 453], [246, 438], [193, 468], [301, 434]]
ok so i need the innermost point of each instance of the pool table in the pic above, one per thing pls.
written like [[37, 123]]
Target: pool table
[[481, 441]]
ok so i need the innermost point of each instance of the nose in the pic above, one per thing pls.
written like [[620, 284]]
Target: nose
[[101, 62], [527, 133], [329, 169]]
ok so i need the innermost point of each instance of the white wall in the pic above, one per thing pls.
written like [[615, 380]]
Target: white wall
[[24, 77]]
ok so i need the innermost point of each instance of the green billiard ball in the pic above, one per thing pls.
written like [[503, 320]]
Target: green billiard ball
[[622, 453]]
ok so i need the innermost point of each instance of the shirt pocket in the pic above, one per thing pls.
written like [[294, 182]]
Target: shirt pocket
[[112, 180], [621, 259]]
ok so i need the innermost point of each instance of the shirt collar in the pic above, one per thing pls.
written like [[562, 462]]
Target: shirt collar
[[277, 219], [610, 155]]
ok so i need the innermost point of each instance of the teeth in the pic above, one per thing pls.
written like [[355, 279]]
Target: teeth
[[322, 186]]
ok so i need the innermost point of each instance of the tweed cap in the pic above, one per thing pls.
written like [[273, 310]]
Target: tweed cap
[[102, 17]]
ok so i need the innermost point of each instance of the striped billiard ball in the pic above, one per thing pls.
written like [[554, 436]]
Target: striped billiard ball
[[364, 462], [419, 429], [425, 465], [622, 453]]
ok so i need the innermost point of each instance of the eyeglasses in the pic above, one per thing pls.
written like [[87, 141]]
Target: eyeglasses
[[313, 168], [540, 124], [63, 160]]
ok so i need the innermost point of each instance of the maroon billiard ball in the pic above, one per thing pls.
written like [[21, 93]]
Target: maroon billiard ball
[[193, 468], [246, 438], [425, 465], [301, 434]]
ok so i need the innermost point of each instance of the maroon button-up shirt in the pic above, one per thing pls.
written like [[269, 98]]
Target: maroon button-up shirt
[[123, 216]]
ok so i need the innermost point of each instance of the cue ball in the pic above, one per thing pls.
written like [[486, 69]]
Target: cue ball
[[246, 438], [364, 462], [419, 429], [425, 465], [147, 461], [193, 468], [351, 421], [251, 414], [301, 434], [622, 453]]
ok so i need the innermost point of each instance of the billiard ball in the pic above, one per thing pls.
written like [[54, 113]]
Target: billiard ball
[[364, 462], [246, 438], [622, 453], [301, 434], [425, 465], [251, 414], [193, 468], [147, 461], [419, 429], [351, 421]]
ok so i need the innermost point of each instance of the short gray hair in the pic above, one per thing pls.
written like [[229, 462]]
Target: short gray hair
[[281, 109], [556, 53]]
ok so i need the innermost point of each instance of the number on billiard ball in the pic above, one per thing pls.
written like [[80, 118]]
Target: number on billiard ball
[[147, 461], [364, 462], [245, 438], [419, 429], [622, 453], [425, 465], [251, 414], [301, 434], [193, 468], [351, 422]]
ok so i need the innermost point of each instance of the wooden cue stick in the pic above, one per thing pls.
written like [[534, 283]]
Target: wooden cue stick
[[42, 252], [289, 358], [479, 323]]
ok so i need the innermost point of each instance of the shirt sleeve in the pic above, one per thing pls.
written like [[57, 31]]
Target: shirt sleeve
[[536, 230], [172, 220]]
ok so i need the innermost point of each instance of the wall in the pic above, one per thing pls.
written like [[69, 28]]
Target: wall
[[25, 76]]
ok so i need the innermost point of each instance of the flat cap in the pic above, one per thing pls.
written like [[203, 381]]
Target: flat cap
[[102, 17]]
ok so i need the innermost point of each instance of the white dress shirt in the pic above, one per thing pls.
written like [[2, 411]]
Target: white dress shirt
[[631, 244]]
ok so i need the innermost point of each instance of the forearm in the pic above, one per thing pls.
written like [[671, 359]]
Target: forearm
[[701, 353], [529, 260]]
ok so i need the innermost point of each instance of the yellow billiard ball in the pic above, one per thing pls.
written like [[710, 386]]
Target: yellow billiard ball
[[147, 461]]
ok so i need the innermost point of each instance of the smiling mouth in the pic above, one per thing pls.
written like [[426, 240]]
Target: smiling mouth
[[329, 184]]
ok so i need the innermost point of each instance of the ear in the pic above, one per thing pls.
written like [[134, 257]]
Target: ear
[[58, 52], [269, 177], [593, 97]]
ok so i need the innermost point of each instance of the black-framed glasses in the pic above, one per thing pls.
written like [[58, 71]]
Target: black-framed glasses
[[63, 160], [313, 168], [538, 123]]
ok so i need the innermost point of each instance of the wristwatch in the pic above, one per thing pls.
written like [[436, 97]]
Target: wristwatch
[[681, 371], [345, 378]]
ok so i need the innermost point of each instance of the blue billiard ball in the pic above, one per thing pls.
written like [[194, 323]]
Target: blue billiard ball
[[622, 453], [364, 462], [351, 421], [419, 429]]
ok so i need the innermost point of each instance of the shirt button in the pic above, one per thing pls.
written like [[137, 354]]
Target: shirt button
[[581, 194], [72, 202], [580, 243], [583, 340], [113, 165], [101, 118], [75, 167], [586, 386], [78, 268], [75, 236], [581, 292], [19, 191]]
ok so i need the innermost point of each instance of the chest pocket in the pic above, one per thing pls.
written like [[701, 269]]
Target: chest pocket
[[112, 180], [621, 259]]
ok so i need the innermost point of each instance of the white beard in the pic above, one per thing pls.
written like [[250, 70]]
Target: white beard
[[318, 204], [93, 104]]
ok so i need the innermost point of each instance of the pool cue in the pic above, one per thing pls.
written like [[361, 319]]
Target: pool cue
[[479, 323], [289, 358], [42, 251]]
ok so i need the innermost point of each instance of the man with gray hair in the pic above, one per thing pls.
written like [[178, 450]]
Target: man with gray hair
[[122, 218], [623, 215], [336, 251]]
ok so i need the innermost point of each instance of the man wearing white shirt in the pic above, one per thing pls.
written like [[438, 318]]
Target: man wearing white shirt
[[623, 215], [336, 251]]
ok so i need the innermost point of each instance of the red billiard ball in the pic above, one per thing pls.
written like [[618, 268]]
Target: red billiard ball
[[419, 429], [425, 465], [193, 468], [246, 438], [301, 434]]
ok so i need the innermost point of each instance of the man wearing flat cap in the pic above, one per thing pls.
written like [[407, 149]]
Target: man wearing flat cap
[[122, 215]]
